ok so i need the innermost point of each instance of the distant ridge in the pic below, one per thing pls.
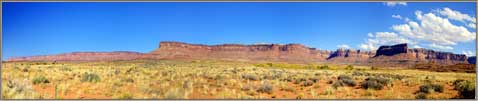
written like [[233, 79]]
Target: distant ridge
[[394, 55]]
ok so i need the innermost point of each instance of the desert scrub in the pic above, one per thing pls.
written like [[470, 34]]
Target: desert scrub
[[376, 83], [15, 89], [323, 67], [250, 77], [125, 96], [90, 77], [344, 80], [40, 79], [307, 83], [465, 88], [421, 95], [266, 87], [349, 67], [431, 87]]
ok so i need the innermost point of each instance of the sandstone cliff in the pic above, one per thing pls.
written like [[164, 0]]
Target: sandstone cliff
[[83, 56], [401, 55], [396, 55], [260, 52]]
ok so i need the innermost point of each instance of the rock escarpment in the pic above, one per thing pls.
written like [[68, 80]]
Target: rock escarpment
[[83, 56], [259, 52], [401, 55], [396, 55]]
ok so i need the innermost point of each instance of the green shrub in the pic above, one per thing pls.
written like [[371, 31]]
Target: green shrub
[[349, 82], [125, 96], [338, 84], [299, 80], [90, 77], [349, 67], [465, 88], [315, 80], [421, 95], [374, 68], [324, 67], [371, 85], [265, 88], [380, 80], [344, 77], [40, 79], [250, 77], [431, 87], [307, 83]]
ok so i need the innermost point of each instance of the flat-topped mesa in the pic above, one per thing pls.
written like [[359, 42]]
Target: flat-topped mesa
[[349, 56], [392, 50], [255, 52], [83, 56], [400, 53]]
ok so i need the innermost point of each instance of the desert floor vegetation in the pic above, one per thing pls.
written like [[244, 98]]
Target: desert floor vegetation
[[202, 79]]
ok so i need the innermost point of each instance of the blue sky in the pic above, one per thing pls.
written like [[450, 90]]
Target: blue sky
[[53, 28]]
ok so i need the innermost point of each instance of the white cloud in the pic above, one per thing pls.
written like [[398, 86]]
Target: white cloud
[[383, 38], [472, 25], [429, 29], [455, 15], [370, 35], [469, 53], [397, 16], [458, 16], [435, 30], [417, 46], [407, 19], [433, 45], [394, 3], [344, 46]]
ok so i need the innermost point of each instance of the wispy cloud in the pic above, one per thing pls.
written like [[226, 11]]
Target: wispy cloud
[[442, 47], [469, 53], [383, 38], [395, 3], [397, 16], [458, 16], [343, 46]]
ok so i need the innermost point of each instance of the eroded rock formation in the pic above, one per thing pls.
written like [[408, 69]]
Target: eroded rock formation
[[396, 55]]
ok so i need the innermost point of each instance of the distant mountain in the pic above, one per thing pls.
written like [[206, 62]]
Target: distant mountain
[[395, 55]]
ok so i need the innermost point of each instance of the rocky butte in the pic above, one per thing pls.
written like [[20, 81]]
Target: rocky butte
[[395, 55]]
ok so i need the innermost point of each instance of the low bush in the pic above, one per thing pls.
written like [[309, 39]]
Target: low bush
[[465, 88], [299, 80], [380, 80], [349, 82], [344, 77], [338, 84], [265, 88], [90, 77], [307, 83], [349, 67], [421, 95], [430, 87], [315, 80], [250, 77], [40, 79], [371, 85], [323, 67]]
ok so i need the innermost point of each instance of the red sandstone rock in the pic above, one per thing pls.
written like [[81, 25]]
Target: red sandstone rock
[[396, 55]]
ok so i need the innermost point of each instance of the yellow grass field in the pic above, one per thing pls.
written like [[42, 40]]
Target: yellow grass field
[[182, 79]]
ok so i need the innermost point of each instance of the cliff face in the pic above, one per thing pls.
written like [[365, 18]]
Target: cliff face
[[260, 52], [83, 56], [401, 55], [350, 56], [396, 55]]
